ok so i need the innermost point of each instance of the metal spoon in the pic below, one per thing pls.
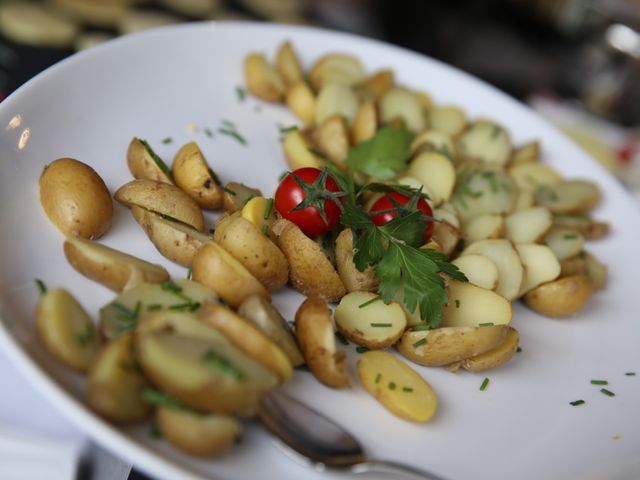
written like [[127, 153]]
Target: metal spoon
[[322, 442]]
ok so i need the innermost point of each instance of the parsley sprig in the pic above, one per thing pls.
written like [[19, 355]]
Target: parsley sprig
[[383, 156]]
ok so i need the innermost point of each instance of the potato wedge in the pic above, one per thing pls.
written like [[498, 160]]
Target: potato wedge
[[526, 153], [302, 101], [314, 331], [479, 269], [587, 227], [378, 83], [288, 64], [401, 103], [216, 268], [196, 434], [487, 226], [540, 265], [510, 271], [261, 212], [528, 225], [434, 140], [565, 243], [336, 98], [161, 198], [365, 123], [332, 137], [192, 174], [481, 190], [436, 172], [262, 79], [115, 383], [563, 297], [247, 338], [448, 119], [495, 357], [66, 330], [143, 162], [365, 320], [397, 386], [570, 197], [75, 198], [532, 176], [446, 236], [446, 345], [236, 195], [472, 306], [336, 68], [268, 319], [487, 142], [297, 151], [524, 199], [353, 279], [310, 271], [112, 268]]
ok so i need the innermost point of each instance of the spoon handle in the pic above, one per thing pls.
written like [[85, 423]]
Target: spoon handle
[[393, 468]]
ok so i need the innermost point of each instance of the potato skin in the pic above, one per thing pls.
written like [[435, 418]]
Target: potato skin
[[353, 279], [191, 174], [142, 165], [495, 357], [75, 198], [563, 297]]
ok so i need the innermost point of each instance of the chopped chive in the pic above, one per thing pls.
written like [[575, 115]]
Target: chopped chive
[[343, 340], [485, 384], [265, 229], [154, 307], [422, 341], [608, 393], [217, 362], [287, 129], [630, 374], [154, 431], [378, 377], [42, 288], [83, 338], [599, 382], [392, 386], [240, 93], [169, 218], [214, 177], [167, 140], [302, 368], [229, 191], [570, 236], [234, 134], [317, 153], [421, 327], [171, 286], [212, 231], [189, 272], [457, 303], [369, 302], [248, 199], [575, 403], [487, 324], [380, 325], [161, 399], [208, 132], [361, 349], [407, 389], [518, 350], [269, 209], [156, 159], [227, 123]]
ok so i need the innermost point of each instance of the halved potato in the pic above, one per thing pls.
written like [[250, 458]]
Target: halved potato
[[525, 153], [510, 271], [365, 124], [262, 79], [481, 189], [487, 142], [446, 236], [540, 265], [261, 212], [472, 306], [302, 101], [596, 270], [479, 269], [448, 119], [332, 137], [378, 83], [336, 98], [524, 199], [298, 152], [112, 268], [532, 176], [434, 140], [402, 103], [528, 225], [495, 357], [446, 345], [236, 195], [366, 320], [66, 330], [436, 172], [216, 268], [161, 198], [589, 228], [336, 68], [353, 279], [570, 197], [310, 271], [115, 383], [144, 163], [317, 341], [484, 227], [288, 64], [397, 386], [564, 242], [563, 297], [192, 174], [448, 213]]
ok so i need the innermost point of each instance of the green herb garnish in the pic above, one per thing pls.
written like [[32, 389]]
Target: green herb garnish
[[378, 378], [608, 393], [153, 307], [291, 128], [575, 403], [487, 324], [570, 236], [240, 92], [217, 362], [422, 341], [189, 272], [369, 302], [599, 382], [233, 133], [156, 159], [361, 349], [421, 327], [383, 156], [407, 389], [127, 318], [457, 303], [343, 340], [154, 431], [83, 338], [380, 325], [392, 385], [42, 288], [208, 132], [485, 384], [317, 153], [518, 350], [214, 177], [630, 374], [269, 209], [167, 140], [161, 399]]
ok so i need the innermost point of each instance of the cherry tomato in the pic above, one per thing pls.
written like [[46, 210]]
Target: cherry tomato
[[385, 203], [290, 194]]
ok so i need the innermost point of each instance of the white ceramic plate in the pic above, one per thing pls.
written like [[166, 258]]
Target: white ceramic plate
[[179, 81]]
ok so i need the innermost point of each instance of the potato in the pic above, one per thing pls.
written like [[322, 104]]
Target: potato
[[262, 79], [75, 198], [378, 83], [436, 172], [66, 330], [259, 255], [496, 356], [590, 229], [196, 434], [336, 98], [261, 212], [314, 331], [434, 140], [288, 64], [448, 213], [532, 176], [115, 383], [353, 279], [524, 199], [196, 364], [302, 101], [397, 386], [163, 199], [447, 119], [426, 102], [570, 197], [479, 269], [365, 125], [472, 306], [564, 242], [510, 271], [446, 236], [192, 174], [310, 271], [540, 265], [143, 162], [596, 270], [480, 190], [563, 297], [216, 268], [112, 268], [484, 227], [236, 196], [401, 103], [298, 152], [336, 68], [528, 225], [268, 319], [526, 153], [174, 240], [487, 142], [332, 137], [366, 320], [247, 338], [443, 346], [126, 311]]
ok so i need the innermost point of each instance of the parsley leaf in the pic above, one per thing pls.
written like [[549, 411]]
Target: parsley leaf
[[384, 155]]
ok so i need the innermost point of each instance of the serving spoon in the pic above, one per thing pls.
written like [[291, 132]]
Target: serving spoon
[[323, 443]]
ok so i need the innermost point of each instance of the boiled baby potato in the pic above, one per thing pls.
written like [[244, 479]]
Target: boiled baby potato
[[310, 271], [112, 268], [302, 101], [569, 197], [446, 236], [528, 225], [448, 213], [540, 265], [288, 64], [365, 125], [196, 364], [397, 386], [480, 270], [336, 98], [353, 279], [174, 240], [472, 306], [262, 79], [378, 83], [336, 68], [270, 322], [532, 176], [366, 320], [247, 338], [564, 242], [254, 250], [314, 331], [402, 103], [495, 357], [510, 270], [332, 138], [192, 174], [261, 212], [524, 199], [66, 330], [216, 268], [115, 384], [75, 198], [484, 227], [161, 198], [563, 297], [526, 153], [436, 172], [126, 311], [143, 162], [448, 119], [589, 228], [446, 345], [433, 140], [482, 189], [236, 195], [197, 434], [487, 142], [585, 264], [297, 151]]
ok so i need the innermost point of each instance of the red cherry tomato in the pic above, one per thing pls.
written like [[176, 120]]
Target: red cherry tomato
[[290, 194], [384, 203]]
